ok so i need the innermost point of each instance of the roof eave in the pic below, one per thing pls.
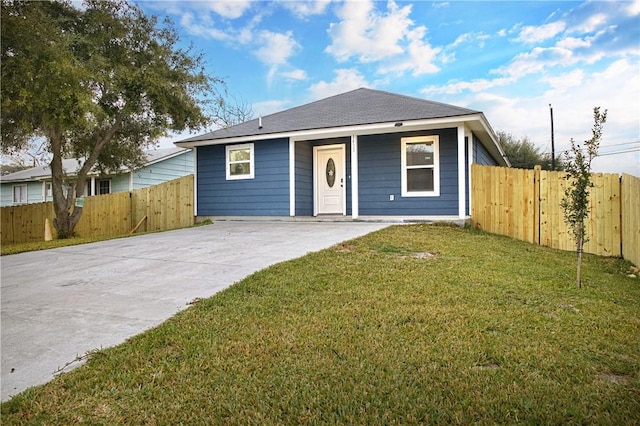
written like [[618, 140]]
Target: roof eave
[[331, 132]]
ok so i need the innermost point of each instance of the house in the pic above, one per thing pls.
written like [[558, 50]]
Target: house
[[34, 185], [358, 154]]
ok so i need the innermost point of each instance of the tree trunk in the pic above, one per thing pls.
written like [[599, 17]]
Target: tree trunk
[[580, 249], [67, 217]]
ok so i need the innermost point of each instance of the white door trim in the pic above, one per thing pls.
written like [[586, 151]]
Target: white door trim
[[343, 178]]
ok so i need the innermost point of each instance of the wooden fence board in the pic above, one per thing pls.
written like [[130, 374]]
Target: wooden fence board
[[167, 206], [630, 208], [526, 204]]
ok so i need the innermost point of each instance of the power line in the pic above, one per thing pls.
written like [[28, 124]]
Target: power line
[[618, 152]]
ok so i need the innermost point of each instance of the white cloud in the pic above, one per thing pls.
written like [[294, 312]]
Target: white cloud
[[269, 107], [573, 43], [536, 61], [388, 38], [481, 38], [616, 88], [231, 9], [532, 35], [187, 21], [456, 87], [345, 80], [276, 48], [563, 82], [297, 74], [633, 9], [306, 8], [366, 34], [419, 59], [590, 24]]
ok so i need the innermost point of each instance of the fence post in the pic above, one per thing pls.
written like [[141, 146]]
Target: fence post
[[536, 204]]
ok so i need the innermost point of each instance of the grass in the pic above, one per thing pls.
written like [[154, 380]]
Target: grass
[[409, 325], [7, 249]]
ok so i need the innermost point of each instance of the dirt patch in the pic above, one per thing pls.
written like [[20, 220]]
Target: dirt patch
[[345, 247], [424, 255], [614, 378]]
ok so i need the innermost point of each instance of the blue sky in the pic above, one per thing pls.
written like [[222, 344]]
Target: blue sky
[[509, 59]]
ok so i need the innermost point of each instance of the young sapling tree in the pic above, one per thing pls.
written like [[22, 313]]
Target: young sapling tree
[[575, 203]]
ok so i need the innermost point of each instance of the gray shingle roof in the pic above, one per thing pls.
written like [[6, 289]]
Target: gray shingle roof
[[358, 107]]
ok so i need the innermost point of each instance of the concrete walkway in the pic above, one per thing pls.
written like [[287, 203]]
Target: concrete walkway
[[58, 304]]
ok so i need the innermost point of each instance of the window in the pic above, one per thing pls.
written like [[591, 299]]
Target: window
[[240, 161], [20, 194], [420, 167], [103, 186], [48, 193]]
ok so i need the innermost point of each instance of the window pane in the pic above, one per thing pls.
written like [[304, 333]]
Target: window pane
[[419, 180], [420, 154], [20, 194], [239, 155], [240, 169], [104, 187]]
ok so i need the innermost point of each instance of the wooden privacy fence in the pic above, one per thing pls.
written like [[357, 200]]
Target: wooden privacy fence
[[525, 204], [156, 208]]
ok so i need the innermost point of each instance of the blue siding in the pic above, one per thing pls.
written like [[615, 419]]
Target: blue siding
[[35, 191], [162, 171], [481, 155], [265, 195], [304, 179], [380, 176]]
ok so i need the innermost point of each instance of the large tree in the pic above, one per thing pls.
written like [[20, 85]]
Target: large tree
[[99, 83], [523, 154]]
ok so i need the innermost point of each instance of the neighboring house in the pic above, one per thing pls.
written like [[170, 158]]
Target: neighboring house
[[34, 185], [360, 153]]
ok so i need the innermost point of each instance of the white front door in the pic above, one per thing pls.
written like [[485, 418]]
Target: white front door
[[329, 179]]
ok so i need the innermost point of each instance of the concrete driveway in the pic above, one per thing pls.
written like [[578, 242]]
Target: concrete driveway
[[58, 304]]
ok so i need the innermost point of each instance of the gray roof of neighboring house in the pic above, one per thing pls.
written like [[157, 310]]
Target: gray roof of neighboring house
[[72, 165], [358, 107]]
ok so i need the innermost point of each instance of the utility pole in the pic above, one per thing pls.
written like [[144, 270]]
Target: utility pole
[[553, 148]]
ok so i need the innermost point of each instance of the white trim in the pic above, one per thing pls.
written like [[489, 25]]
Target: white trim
[[44, 190], [435, 140], [314, 172], [355, 209], [292, 178], [251, 149], [346, 131], [131, 180], [470, 160], [317, 148], [92, 188], [195, 181], [461, 174], [26, 193]]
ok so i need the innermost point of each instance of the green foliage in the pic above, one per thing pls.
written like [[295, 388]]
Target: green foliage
[[575, 203], [369, 332], [523, 154], [99, 83]]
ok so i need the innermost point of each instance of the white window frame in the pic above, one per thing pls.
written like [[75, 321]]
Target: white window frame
[[24, 200], [435, 140], [47, 191], [228, 150]]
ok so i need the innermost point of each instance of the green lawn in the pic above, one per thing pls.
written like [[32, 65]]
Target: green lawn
[[408, 325]]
